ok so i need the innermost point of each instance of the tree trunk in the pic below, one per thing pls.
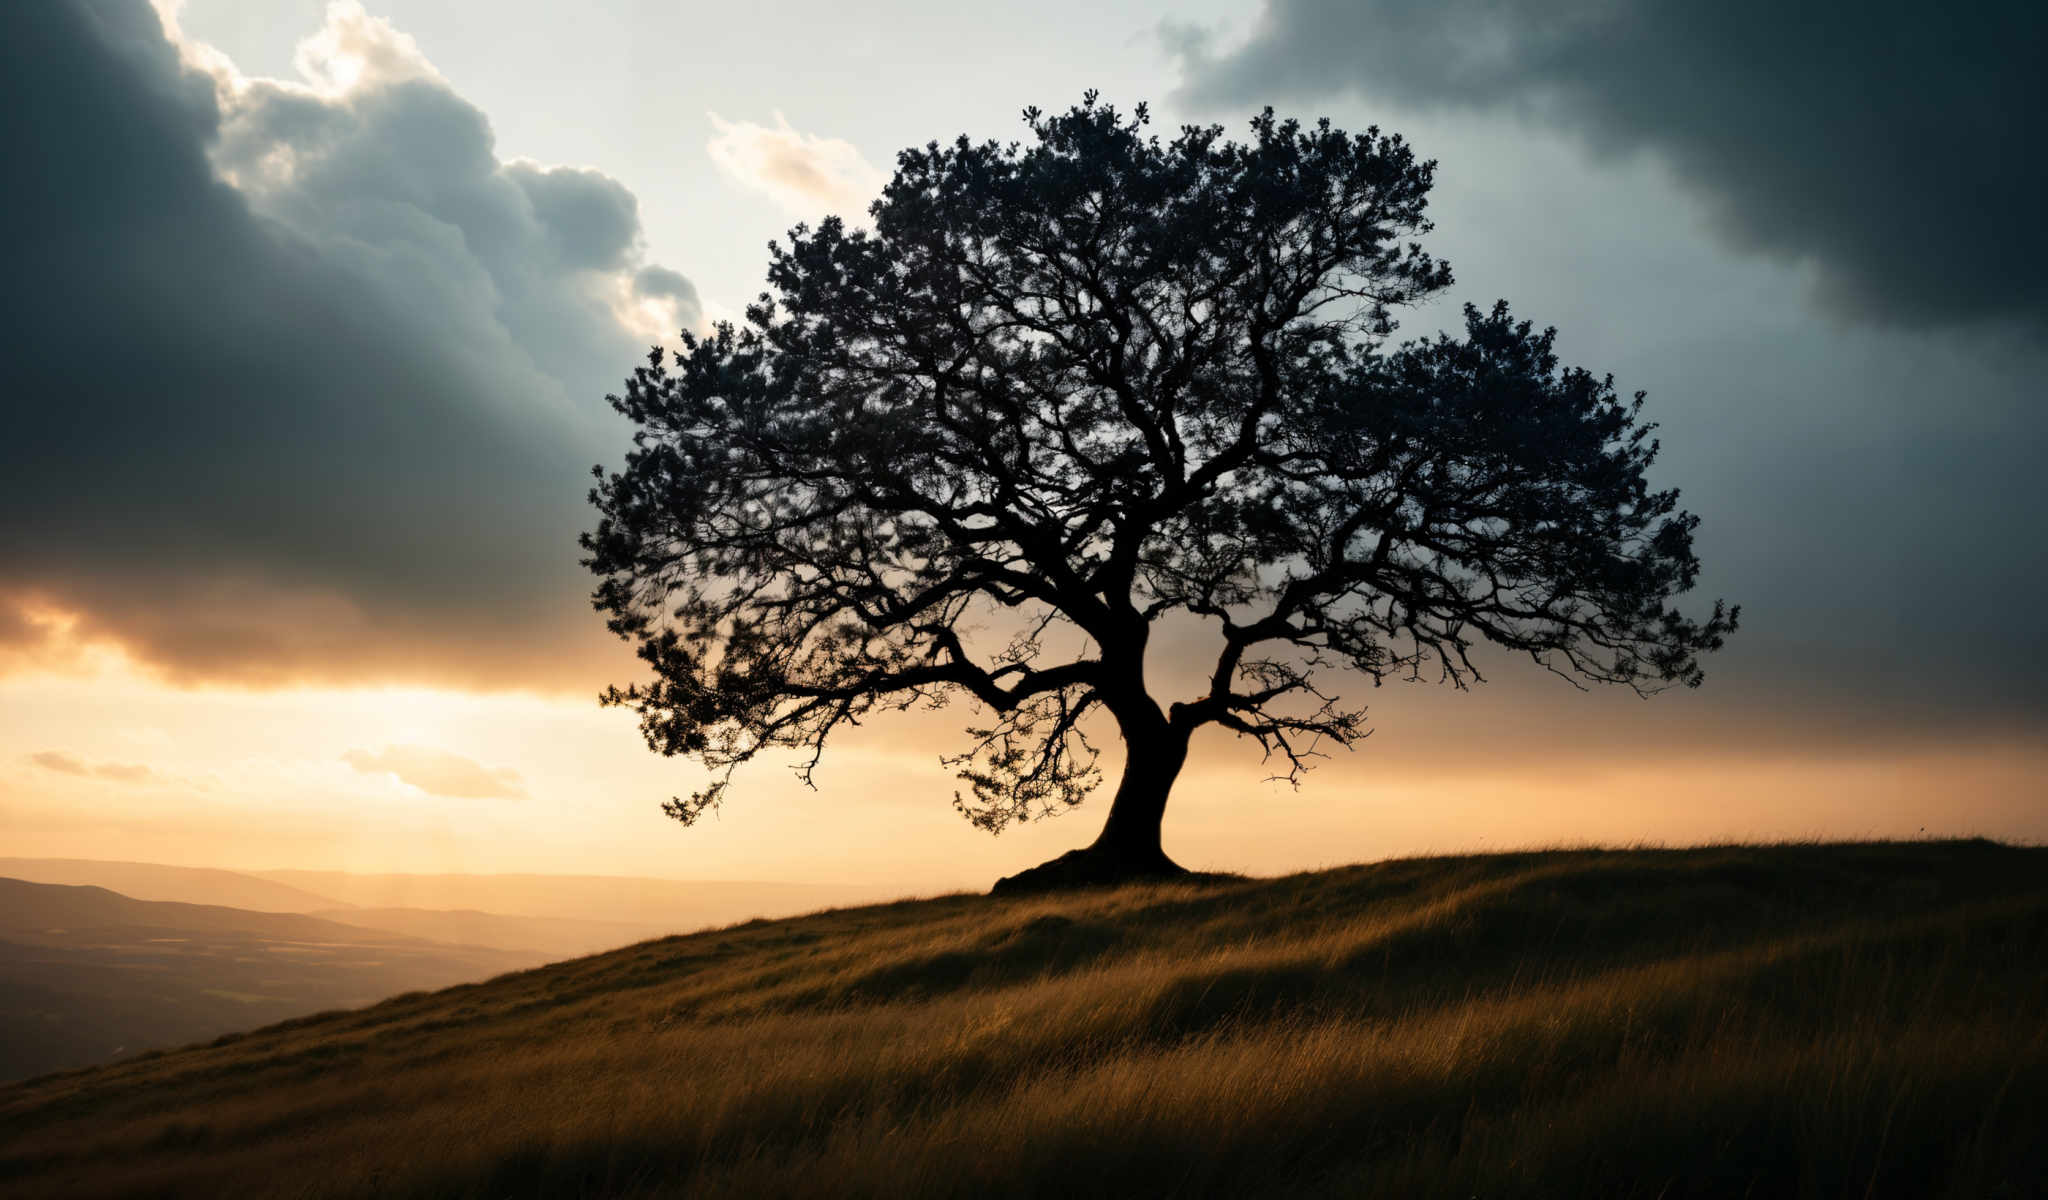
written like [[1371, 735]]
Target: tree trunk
[[1131, 835], [1128, 849]]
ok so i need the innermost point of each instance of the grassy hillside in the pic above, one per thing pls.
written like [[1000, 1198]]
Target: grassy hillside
[[1793, 1020]]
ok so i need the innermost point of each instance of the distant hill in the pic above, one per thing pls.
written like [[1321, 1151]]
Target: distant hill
[[1783, 1021], [59, 914], [551, 937], [86, 973], [669, 905], [156, 881], [554, 916]]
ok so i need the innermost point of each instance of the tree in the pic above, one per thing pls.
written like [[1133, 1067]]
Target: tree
[[1068, 388]]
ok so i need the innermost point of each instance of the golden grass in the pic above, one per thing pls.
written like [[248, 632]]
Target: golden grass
[[1814, 1020]]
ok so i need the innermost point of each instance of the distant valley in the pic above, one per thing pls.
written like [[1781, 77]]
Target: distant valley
[[100, 960], [663, 905], [87, 974]]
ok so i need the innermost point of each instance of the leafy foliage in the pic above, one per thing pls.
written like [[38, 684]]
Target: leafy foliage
[[1065, 388]]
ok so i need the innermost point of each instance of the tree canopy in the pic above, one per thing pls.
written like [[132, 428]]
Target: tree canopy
[[1066, 387]]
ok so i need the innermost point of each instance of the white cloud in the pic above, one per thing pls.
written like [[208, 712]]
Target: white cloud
[[354, 48], [806, 175]]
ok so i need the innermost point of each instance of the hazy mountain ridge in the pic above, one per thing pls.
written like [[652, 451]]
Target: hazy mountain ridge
[[644, 906], [672, 905], [62, 912], [1801, 1020], [159, 881], [87, 973], [554, 937]]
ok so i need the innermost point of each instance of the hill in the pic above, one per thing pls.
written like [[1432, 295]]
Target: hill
[[86, 973], [158, 881], [59, 913], [1808, 1020], [662, 905], [538, 916], [550, 937]]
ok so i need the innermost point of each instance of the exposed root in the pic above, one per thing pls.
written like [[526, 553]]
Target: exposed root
[[1092, 867]]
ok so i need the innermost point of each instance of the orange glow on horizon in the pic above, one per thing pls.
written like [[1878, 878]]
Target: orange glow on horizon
[[232, 777]]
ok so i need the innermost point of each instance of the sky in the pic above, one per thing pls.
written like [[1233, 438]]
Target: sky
[[311, 310]]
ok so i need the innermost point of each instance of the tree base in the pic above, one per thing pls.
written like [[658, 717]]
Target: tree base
[[1094, 868]]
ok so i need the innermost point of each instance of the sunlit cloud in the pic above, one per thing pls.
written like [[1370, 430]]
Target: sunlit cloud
[[44, 638], [65, 764], [657, 302], [353, 47], [806, 175], [439, 773]]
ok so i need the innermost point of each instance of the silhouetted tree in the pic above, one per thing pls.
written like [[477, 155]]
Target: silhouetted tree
[[1069, 387]]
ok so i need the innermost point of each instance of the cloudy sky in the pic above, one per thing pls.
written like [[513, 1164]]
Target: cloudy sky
[[311, 310]]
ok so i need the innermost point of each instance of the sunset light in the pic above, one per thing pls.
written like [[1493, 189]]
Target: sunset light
[[892, 592]]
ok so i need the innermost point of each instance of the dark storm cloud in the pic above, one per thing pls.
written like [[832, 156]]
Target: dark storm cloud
[[299, 382], [664, 283], [1895, 146], [1865, 486]]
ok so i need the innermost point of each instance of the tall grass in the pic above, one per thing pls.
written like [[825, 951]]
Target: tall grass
[[1805, 1020]]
